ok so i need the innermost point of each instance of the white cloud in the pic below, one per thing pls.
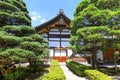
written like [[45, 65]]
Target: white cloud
[[35, 16], [34, 13], [42, 20]]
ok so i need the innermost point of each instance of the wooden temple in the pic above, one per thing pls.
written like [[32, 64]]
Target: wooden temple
[[57, 32]]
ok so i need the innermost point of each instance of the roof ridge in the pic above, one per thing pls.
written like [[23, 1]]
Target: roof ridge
[[61, 12]]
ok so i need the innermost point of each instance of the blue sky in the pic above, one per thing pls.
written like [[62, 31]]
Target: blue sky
[[44, 10]]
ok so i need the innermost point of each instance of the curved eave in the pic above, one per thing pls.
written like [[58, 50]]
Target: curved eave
[[50, 21]]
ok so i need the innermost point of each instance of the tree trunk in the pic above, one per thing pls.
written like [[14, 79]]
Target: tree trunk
[[91, 59], [94, 66], [30, 61], [115, 63]]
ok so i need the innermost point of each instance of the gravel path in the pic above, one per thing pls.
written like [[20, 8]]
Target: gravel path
[[69, 75]]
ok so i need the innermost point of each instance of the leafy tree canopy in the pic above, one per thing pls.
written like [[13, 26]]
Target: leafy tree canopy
[[18, 40], [95, 21], [19, 30], [22, 39], [18, 54], [90, 13], [13, 12]]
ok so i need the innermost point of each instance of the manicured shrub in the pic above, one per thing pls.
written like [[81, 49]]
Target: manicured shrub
[[96, 75], [56, 72], [77, 68], [109, 71]]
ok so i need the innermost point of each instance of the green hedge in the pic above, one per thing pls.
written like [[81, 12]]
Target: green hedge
[[109, 71], [96, 75], [77, 68], [56, 73]]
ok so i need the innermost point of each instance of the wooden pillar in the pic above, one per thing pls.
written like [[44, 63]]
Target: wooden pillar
[[53, 53], [60, 53], [66, 52], [60, 39], [48, 32]]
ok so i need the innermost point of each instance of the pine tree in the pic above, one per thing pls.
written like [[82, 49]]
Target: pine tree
[[13, 12], [93, 20], [18, 40]]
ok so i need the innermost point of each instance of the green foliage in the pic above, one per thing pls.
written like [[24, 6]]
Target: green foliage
[[77, 68], [27, 38], [38, 38], [19, 30], [114, 32], [18, 41], [111, 4], [117, 53], [96, 75], [3, 32], [90, 36], [95, 21], [92, 13], [14, 12], [36, 47], [109, 71], [81, 6], [117, 46], [92, 30], [23, 37], [9, 41], [37, 65], [19, 4], [17, 74], [54, 69], [7, 7], [18, 54]]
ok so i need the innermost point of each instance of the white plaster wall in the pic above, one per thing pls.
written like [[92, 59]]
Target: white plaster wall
[[100, 55], [51, 52], [63, 52], [69, 52], [57, 52]]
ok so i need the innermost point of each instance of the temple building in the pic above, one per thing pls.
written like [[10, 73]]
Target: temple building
[[57, 32]]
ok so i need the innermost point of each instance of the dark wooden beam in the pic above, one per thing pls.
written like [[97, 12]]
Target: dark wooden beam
[[59, 40], [59, 36]]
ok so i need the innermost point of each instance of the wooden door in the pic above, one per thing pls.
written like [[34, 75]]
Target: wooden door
[[60, 54], [108, 54]]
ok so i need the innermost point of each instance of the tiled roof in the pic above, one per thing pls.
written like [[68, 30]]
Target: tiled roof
[[61, 13]]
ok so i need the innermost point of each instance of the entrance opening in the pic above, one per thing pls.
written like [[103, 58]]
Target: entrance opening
[[60, 54]]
